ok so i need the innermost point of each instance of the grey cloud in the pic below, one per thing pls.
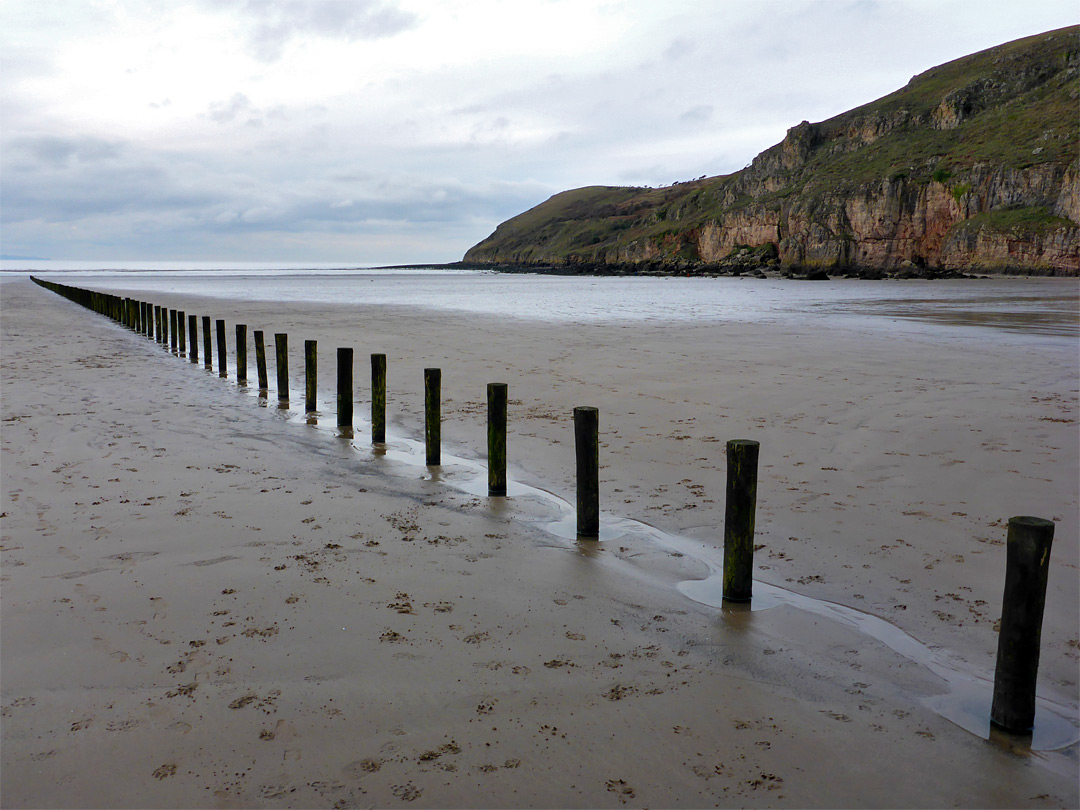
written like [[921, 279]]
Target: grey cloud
[[224, 112], [274, 22], [58, 150], [679, 47], [697, 115]]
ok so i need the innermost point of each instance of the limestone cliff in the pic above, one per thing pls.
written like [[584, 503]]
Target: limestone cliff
[[973, 166]]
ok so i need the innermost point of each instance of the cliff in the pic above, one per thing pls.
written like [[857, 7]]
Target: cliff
[[973, 166]]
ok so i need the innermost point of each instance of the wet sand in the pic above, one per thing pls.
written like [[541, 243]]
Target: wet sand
[[208, 602]]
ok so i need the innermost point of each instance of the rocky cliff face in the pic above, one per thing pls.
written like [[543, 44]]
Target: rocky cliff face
[[973, 167]]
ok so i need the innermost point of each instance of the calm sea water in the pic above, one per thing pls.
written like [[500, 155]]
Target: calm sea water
[[1043, 309]]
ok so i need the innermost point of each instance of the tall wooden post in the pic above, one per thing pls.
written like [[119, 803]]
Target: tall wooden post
[[739, 515], [174, 346], [311, 375], [281, 345], [1027, 566], [207, 343], [344, 387], [181, 334], [432, 415], [378, 398], [587, 446], [260, 361], [193, 338], [241, 353], [496, 435], [222, 359]]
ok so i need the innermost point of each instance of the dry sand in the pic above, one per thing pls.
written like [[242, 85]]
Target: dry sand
[[207, 602]]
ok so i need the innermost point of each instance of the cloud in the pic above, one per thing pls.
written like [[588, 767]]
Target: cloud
[[697, 115], [271, 24], [59, 150], [224, 112]]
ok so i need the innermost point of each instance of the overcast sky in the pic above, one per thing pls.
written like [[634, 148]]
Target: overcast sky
[[404, 131]]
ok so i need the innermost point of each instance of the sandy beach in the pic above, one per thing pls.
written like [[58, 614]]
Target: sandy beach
[[209, 601]]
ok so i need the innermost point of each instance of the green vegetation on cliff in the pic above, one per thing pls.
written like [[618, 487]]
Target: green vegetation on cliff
[[877, 187]]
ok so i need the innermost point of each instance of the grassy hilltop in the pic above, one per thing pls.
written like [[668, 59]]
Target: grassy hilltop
[[972, 166]]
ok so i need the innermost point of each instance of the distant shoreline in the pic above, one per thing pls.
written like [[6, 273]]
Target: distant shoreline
[[664, 270]]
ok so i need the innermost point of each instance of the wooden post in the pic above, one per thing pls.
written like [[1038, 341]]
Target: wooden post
[[260, 360], [739, 515], [587, 445], [241, 353], [496, 435], [378, 398], [193, 338], [432, 415], [1026, 568], [207, 343], [281, 345], [181, 334], [344, 387], [157, 322], [223, 369], [165, 327], [311, 375], [173, 344]]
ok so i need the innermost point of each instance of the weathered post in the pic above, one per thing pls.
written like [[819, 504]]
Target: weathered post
[[223, 370], [311, 375], [587, 445], [207, 343], [432, 415], [260, 361], [165, 327], [193, 338], [241, 353], [173, 346], [157, 322], [378, 398], [1027, 565], [181, 334], [344, 387], [739, 515], [281, 346], [496, 436]]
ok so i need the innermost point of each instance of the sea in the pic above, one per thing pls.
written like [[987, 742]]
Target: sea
[[1044, 310]]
